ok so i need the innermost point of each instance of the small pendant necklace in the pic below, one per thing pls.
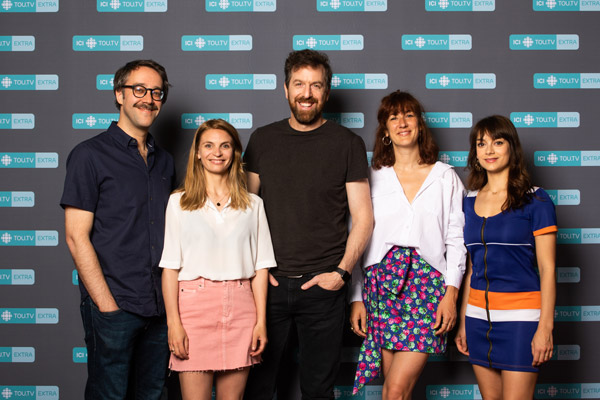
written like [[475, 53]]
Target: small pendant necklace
[[218, 203]]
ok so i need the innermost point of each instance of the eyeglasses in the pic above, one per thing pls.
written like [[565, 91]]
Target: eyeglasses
[[140, 91]]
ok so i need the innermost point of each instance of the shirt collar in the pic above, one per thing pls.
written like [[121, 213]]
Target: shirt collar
[[125, 140]]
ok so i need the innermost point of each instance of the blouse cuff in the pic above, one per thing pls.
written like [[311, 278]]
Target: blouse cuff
[[169, 264]]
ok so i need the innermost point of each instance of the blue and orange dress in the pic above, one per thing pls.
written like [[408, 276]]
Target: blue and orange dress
[[504, 303]]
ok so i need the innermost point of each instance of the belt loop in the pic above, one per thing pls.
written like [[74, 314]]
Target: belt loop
[[201, 282]]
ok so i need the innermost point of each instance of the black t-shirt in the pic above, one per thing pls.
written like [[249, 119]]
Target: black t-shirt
[[302, 183]]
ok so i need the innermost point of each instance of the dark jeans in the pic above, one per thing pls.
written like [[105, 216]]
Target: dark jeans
[[318, 315], [127, 354]]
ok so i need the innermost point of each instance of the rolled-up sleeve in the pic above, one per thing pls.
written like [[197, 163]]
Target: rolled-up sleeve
[[265, 256], [357, 284], [171, 255]]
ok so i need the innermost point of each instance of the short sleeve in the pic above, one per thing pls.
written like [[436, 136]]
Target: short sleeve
[[265, 256], [81, 188], [543, 214], [358, 167], [171, 255], [251, 153]]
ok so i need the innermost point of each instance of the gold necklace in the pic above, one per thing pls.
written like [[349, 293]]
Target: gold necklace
[[218, 202]]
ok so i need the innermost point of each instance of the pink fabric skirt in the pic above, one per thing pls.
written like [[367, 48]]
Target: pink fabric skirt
[[219, 318]]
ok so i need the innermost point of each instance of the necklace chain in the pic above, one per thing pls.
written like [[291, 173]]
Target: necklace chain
[[218, 202]]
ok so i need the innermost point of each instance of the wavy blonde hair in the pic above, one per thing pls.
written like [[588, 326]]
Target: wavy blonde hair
[[194, 185]]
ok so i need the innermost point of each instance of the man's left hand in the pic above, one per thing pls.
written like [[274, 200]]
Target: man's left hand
[[327, 280]]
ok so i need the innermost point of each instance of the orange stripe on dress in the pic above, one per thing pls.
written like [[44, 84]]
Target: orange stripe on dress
[[506, 300], [543, 231]]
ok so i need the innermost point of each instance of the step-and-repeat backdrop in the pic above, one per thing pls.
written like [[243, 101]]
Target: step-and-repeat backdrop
[[535, 61]]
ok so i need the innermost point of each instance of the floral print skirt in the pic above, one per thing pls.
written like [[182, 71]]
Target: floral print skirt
[[401, 295]]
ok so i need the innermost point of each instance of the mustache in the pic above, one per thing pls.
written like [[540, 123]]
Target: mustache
[[146, 106], [311, 99]]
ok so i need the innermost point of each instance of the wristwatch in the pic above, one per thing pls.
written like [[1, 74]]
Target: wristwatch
[[344, 274]]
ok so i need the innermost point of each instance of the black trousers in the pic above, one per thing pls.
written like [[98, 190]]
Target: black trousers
[[318, 316]]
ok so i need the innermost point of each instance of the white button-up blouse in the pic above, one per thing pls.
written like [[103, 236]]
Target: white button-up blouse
[[217, 245], [433, 223]]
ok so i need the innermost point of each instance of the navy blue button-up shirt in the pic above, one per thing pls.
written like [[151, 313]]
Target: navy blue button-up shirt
[[107, 176]]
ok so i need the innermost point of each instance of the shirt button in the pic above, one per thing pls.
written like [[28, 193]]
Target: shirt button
[[151, 222]]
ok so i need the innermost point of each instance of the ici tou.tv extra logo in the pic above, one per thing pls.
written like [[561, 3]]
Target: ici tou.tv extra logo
[[131, 5], [241, 82], [17, 121], [28, 82], [544, 42], [449, 392], [359, 81], [460, 81], [238, 120], [566, 5], [351, 5], [17, 277], [93, 121], [17, 43], [437, 42], [449, 119], [29, 316], [17, 199], [29, 6], [328, 42], [545, 119], [566, 80], [216, 43], [28, 238], [29, 392], [28, 160], [241, 5], [17, 354], [460, 5], [567, 391], [108, 43], [454, 158], [567, 158]]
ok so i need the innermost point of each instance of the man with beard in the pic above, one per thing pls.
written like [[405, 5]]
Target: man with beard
[[312, 176], [116, 191]]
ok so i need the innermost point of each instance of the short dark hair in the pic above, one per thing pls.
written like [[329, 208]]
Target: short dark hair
[[122, 75], [392, 104], [307, 58]]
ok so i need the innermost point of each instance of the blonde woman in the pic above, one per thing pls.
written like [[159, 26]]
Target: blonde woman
[[216, 258]]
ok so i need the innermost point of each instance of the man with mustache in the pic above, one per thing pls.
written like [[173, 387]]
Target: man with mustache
[[312, 176], [115, 194]]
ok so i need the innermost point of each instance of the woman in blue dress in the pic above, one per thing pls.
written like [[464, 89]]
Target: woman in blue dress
[[507, 314]]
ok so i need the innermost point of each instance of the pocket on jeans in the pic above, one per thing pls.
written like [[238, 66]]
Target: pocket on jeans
[[318, 291], [106, 314]]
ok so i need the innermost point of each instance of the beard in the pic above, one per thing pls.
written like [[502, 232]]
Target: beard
[[306, 117]]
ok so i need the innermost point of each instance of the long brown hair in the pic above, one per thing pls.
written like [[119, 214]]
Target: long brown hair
[[392, 104], [194, 185], [519, 187]]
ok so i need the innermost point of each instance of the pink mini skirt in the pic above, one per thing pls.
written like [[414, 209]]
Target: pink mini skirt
[[218, 318]]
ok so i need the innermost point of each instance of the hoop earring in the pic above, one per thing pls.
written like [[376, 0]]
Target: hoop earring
[[389, 141]]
